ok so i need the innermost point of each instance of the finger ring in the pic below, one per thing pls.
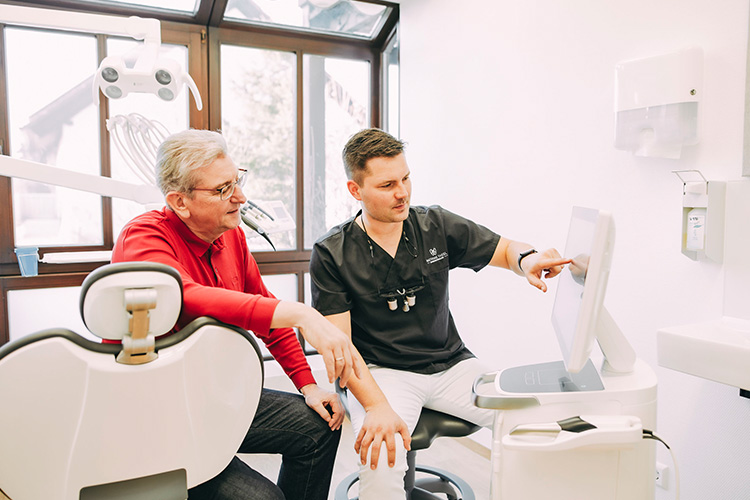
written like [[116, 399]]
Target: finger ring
[[339, 359]]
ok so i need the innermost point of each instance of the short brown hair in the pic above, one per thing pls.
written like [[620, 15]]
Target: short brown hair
[[366, 144]]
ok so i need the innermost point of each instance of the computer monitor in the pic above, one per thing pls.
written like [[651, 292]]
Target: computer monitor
[[578, 314]]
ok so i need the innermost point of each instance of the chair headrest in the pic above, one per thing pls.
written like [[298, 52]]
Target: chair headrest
[[102, 302]]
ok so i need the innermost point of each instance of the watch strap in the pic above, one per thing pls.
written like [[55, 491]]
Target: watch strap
[[523, 255]]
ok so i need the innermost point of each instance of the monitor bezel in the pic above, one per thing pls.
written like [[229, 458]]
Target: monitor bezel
[[590, 310]]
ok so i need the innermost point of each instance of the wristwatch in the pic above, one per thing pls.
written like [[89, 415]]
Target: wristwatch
[[523, 255]]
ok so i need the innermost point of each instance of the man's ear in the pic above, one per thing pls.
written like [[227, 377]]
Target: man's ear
[[354, 189], [176, 201]]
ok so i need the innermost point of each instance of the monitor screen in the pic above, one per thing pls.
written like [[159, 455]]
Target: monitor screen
[[581, 286]]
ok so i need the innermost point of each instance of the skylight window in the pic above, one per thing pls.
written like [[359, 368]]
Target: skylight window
[[180, 6], [338, 17]]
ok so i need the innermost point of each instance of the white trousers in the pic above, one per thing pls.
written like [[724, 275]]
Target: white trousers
[[448, 391]]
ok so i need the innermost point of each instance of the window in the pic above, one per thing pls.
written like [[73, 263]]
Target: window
[[52, 120], [183, 6], [349, 18], [391, 89], [286, 81], [258, 115], [337, 105]]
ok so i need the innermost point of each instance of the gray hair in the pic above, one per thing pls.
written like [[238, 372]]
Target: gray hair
[[182, 154]]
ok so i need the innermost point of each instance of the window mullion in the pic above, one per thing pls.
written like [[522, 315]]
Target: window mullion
[[300, 156], [6, 200], [105, 165]]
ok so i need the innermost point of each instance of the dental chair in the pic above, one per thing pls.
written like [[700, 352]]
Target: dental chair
[[435, 482], [145, 418]]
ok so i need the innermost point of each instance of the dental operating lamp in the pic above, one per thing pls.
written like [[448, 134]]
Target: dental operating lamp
[[150, 74]]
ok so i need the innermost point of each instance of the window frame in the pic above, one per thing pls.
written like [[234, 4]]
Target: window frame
[[263, 39], [203, 34], [191, 37]]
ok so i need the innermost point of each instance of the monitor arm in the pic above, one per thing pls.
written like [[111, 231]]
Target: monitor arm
[[619, 356]]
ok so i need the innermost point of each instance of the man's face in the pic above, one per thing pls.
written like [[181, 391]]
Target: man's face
[[385, 189], [209, 215]]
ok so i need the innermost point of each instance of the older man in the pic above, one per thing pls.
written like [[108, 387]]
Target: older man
[[198, 234]]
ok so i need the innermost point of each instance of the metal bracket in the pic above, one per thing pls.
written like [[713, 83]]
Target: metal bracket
[[685, 181], [138, 345]]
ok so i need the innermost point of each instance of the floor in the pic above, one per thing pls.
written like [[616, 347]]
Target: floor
[[461, 456]]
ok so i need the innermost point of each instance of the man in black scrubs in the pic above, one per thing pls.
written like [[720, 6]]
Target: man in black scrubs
[[382, 277]]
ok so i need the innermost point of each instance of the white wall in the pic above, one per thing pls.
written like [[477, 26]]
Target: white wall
[[507, 108]]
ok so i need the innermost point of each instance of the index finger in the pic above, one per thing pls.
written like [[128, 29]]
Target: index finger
[[548, 263], [346, 368], [375, 452], [363, 440], [329, 359], [321, 410], [364, 446], [337, 418]]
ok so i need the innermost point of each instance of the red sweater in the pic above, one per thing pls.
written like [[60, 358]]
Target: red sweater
[[220, 280]]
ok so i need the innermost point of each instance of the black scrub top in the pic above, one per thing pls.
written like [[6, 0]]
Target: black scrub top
[[346, 276]]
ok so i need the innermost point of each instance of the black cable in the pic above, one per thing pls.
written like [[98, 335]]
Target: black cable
[[648, 434]]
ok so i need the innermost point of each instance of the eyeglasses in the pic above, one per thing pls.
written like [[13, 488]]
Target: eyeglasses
[[226, 191]]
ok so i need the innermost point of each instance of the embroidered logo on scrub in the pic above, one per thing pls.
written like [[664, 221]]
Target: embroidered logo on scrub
[[435, 256]]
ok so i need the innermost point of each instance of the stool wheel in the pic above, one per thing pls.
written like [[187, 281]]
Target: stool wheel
[[425, 488]]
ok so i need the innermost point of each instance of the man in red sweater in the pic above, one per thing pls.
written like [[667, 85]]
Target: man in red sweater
[[198, 234]]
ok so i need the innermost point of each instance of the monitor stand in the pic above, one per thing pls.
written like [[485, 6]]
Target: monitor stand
[[544, 394], [549, 377]]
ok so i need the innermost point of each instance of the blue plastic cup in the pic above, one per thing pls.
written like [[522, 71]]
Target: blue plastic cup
[[28, 260]]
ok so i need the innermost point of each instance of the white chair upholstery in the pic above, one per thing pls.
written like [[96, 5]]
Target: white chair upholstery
[[77, 423]]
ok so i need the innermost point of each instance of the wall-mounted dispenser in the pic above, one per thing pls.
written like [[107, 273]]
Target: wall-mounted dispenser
[[703, 208], [719, 350], [656, 103]]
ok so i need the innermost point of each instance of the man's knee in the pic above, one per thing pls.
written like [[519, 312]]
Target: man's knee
[[289, 415], [330, 438], [318, 437], [383, 481], [237, 480]]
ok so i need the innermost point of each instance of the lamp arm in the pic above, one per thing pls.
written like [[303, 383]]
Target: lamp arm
[[104, 186], [148, 30]]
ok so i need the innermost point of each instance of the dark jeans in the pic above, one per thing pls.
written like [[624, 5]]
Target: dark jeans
[[283, 424]]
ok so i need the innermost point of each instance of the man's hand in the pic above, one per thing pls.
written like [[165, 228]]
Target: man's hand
[[325, 403], [546, 264], [339, 354], [381, 424]]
